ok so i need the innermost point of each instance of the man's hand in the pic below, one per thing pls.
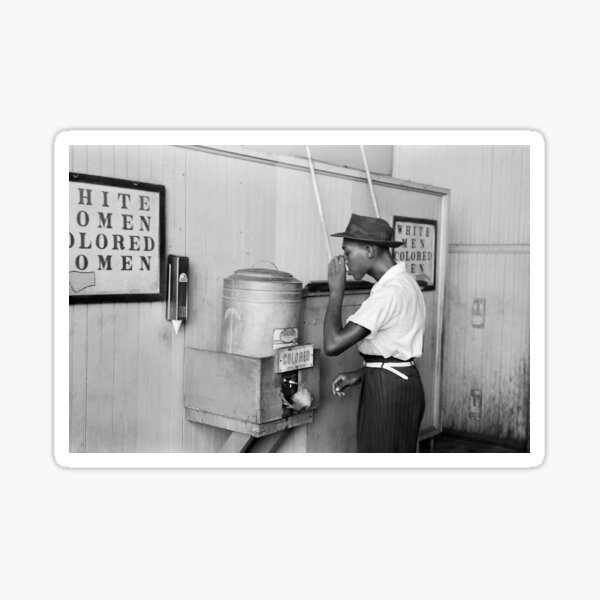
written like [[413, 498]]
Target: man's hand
[[337, 274], [344, 380]]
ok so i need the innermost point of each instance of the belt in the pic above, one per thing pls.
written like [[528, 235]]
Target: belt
[[390, 366]]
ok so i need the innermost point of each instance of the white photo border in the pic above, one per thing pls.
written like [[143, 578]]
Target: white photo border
[[440, 137]]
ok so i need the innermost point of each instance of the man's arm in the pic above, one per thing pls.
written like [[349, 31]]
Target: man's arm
[[337, 338]]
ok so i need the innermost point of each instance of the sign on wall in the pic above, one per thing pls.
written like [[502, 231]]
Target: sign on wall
[[116, 239], [419, 250]]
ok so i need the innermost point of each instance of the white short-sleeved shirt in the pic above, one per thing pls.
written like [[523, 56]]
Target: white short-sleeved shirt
[[394, 313]]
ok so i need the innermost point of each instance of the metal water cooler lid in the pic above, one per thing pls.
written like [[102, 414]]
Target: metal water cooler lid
[[266, 275]]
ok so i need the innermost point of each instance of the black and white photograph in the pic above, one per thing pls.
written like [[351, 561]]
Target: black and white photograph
[[368, 300]]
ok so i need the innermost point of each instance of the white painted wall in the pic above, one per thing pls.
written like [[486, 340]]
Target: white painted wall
[[488, 258], [379, 158]]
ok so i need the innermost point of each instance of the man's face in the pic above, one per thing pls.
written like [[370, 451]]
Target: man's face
[[357, 261]]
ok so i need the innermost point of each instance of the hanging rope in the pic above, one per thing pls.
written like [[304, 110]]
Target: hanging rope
[[314, 180], [370, 182]]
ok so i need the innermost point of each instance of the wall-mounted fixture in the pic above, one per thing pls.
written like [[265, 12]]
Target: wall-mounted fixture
[[478, 313], [177, 290], [475, 402]]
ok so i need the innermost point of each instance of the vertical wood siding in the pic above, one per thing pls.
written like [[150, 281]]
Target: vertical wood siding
[[489, 258], [489, 188], [225, 214], [126, 362], [495, 358], [379, 158]]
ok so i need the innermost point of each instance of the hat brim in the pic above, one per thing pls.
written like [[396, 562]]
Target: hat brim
[[357, 238]]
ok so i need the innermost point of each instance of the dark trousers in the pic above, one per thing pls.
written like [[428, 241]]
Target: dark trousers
[[390, 411]]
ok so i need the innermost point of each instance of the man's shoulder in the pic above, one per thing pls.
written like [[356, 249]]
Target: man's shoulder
[[399, 280]]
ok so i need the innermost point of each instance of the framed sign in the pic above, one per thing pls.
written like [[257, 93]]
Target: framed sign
[[116, 240], [419, 250]]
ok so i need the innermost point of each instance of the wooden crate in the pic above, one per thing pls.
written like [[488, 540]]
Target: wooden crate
[[240, 393]]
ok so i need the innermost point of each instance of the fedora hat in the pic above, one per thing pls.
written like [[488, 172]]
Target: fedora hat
[[370, 230]]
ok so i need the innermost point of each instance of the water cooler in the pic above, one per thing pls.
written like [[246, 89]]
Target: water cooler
[[264, 380]]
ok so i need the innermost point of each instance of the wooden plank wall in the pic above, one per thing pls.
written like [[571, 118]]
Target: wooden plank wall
[[379, 158], [126, 364], [488, 258], [225, 214]]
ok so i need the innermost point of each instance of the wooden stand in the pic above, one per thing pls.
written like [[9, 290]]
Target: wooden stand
[[240, 442], [241, 394]]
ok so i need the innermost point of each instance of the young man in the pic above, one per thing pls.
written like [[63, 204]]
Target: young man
[[388, 328]]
